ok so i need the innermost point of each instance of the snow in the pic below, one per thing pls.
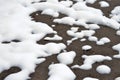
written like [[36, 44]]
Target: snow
[[66, 57], [90, 78], [60, 72], [100, 43], [93, 38], [93, 26], [83, 33], [118, 32], [55, 37], [117, 48], [103, 41], [115, 13], [103, 69], [50, 12], [16, 24], [76, 35], [65, 20], [90, 60], [28, 51], [91, 1], [104, 4], [74, 16], [74, 29], [67, 3], [118, 78], [83, 39], [53, 48], [86, 47], [70, 41]]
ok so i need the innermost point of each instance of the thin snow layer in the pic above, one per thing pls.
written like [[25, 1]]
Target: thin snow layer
[[66, 57], [115, 13], [86, 47], [60, 72], [117, 48], [103, 69], [78, 16], [28, 51], [104, 4], [90, 78], [91, 59], [55, 37]]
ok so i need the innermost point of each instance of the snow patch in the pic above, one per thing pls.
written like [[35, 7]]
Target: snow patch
[[60, 72], [117, 48], [115, 13], [90, 60], [66, 57], [86, 47], [103, 69], [104, 4], [90, 78], [55, 37]]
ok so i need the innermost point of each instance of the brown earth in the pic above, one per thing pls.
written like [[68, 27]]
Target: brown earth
[[41, 72]]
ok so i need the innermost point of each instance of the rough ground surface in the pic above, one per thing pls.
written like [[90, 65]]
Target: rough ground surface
[[41, 72]]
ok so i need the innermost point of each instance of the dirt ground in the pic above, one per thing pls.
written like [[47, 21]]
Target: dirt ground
[[41, 72]]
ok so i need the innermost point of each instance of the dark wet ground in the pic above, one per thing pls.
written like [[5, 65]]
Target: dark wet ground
[[41, 72]]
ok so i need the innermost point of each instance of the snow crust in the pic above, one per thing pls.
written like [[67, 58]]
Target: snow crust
[[90, 60], [60, 72], [103, 69], [66, 57]]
